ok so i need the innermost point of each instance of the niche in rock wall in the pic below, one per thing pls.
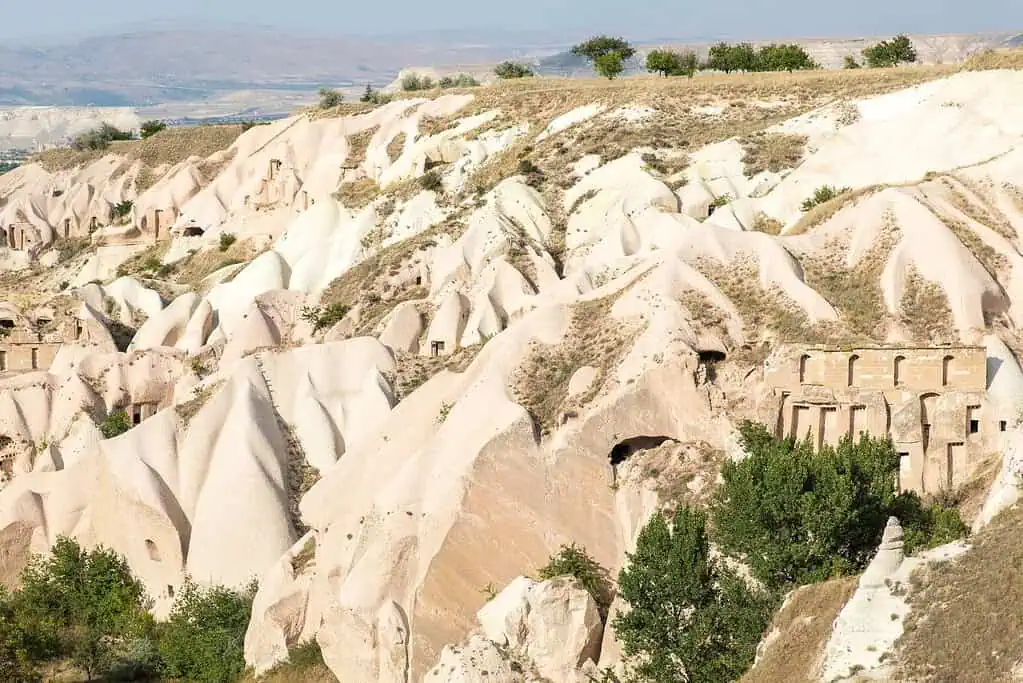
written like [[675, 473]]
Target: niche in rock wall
[[624, 450], [153, 550]]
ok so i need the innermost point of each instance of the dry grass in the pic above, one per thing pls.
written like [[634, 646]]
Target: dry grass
[[396, 146], [170, 146], [966, 620], [822, 213], [413, 371], [189, 409], [594, 339], [761, 311], [804, 626], [357, 146], [304, 556], [854, 292], [358, 193], [200, 265], [995, 59], [774, 152], [977, 207], [704, 312], [925, 313], [765, 224]]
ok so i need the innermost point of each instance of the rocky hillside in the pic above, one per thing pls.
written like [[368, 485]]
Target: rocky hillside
[[386, 357]]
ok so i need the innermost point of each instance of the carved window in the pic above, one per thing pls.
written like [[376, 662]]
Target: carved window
[[897, 370], [946, 370], [803, 362], [853, 361]]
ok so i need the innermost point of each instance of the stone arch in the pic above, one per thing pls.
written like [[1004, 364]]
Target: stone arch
[[897, 370], [853, 362], [946, 369]]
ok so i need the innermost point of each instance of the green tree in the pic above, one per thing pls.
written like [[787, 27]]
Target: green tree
[[889, 53], [99, 137], [414, 82], [797, 515], [610, 66], [689, 617], [204, 638], [90, 599], [115, 424], [330, 99], [508, 70], [728, 58], [670, 63], [150, 128], [784, 57], [572, 560], [606, 53]]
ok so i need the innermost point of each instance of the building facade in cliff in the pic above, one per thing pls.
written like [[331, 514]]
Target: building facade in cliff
[[930, 400]]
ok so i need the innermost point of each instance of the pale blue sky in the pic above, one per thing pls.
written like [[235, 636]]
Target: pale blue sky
[[634, 18]]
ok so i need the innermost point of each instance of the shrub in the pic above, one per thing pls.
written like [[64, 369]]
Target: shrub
[[822, 195], [324, 317], [459, 81], [85, 603], [508, 70], [415, 82], [572, 560], [115, 424], [431, 181], [204, 638], [689, 617], [892, 52], [99, 137], [330, 99], [150, 128], [798, 516], [122, 210], [226, 240], [670, 63], [372, 96], [851, 63]]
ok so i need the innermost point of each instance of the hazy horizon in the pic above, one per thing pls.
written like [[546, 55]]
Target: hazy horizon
[[643, 20]]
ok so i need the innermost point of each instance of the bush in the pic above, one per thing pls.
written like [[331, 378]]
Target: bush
[[99, 137], [414, 82], [115, 424], [689, 617], [330, 99], [822, 195], [572, 560], [669, 63], [459, 81], [204, 638], [226, 240], [892, 52], [796, 515], [151, 128], [324, 317], [431, 181], [81, 604], [508, 70], [851, 63], [122, 210], [371, 96]]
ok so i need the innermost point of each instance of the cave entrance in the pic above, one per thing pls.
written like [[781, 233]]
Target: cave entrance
[[624, 450]]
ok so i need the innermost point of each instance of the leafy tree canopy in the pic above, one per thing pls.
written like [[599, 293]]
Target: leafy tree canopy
[[669, 63], [604, 45], [889, 53]]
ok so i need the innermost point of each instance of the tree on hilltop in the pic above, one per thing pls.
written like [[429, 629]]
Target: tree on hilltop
[[887, 53], [728, 58], [671, 63], [606, 53], [785, 57]]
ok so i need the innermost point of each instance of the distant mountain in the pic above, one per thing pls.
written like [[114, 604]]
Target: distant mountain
[[172, 63], [229, 68]]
